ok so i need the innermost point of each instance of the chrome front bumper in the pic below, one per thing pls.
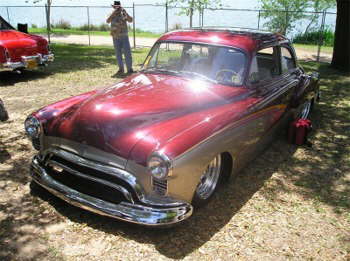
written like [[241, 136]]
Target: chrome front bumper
[[135, 213], [28, 62]]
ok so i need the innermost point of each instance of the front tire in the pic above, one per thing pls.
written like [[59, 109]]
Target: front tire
[[209, 182]]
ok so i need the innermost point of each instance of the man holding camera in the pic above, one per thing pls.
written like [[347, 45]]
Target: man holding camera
[[119, 31]]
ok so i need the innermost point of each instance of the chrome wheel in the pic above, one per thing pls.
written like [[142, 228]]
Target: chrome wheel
[[305, 111], [209, 179]]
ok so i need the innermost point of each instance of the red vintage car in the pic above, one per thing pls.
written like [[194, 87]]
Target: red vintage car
[[153, 146], [20, 50]]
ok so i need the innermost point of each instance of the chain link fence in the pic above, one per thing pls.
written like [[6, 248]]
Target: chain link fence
[[86, 24]]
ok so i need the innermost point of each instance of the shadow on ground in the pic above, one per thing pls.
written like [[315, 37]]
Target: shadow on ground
[[9, 78]]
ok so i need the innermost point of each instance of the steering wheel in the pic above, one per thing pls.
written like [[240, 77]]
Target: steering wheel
[[227, 75]]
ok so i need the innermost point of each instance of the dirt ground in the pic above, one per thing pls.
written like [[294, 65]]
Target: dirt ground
[[290, 203]]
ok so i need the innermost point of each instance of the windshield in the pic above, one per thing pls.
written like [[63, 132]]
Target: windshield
[[223, 65]]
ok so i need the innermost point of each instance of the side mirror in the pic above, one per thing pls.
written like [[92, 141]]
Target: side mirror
[[22, 28]]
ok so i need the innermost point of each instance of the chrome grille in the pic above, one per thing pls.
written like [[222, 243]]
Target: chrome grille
[[90, 181], [160, 186]]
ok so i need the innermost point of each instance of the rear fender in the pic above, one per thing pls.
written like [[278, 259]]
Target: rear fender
[[308, 89]]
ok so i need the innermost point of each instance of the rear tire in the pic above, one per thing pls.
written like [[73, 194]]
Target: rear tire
[[306, 109]]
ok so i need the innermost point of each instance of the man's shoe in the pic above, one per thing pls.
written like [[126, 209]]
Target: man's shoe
[[120, 72], [131, 71]]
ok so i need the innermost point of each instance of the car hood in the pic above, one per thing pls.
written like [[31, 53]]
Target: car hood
[[116, 118]]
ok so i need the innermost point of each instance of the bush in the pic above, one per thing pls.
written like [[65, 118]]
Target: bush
[[101, 27], [313, 37], [84, 27], [104, 27], [63, 24], [34, 26]]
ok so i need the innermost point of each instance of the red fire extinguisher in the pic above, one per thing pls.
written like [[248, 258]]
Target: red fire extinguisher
[[298, 131]]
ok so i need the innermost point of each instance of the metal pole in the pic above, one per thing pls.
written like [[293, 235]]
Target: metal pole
[[166, 17], [259, 19], [199, 17], [88, 15], [133, 24], [286, 25], [320, 42], [203, 17], [8, 14], [47, 23]]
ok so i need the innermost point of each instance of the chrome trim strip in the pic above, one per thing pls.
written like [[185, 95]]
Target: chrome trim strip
[[138, 214], [119, 173], [85, 151], [279, 92], [125, 192]]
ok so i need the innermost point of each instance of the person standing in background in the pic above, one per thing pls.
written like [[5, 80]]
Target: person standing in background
[[119, 31]]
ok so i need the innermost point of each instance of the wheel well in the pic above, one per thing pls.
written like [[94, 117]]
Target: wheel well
[[227, 165]]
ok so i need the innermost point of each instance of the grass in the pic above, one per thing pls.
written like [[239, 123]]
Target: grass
[[290, 203], [313, 48], [75, 31]]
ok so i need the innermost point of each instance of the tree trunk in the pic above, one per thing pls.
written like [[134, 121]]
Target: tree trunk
[[341, 52]]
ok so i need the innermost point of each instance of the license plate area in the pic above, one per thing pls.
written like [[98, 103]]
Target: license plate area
[[32, 64]]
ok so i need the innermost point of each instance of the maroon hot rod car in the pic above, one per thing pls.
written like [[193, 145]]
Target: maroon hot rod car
[[20, 50], [153, 146]]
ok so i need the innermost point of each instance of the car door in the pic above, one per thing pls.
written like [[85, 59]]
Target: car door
[[274, 87]]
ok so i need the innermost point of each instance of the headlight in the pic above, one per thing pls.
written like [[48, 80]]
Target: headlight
[[32, 127], [159, 166]]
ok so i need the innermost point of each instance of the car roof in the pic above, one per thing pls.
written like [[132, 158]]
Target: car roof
[[243, 38]]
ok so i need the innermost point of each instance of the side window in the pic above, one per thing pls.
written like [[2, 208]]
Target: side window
[[287, 60], [264, 65]]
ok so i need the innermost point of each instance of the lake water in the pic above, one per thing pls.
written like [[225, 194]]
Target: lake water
[[150, 18]]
